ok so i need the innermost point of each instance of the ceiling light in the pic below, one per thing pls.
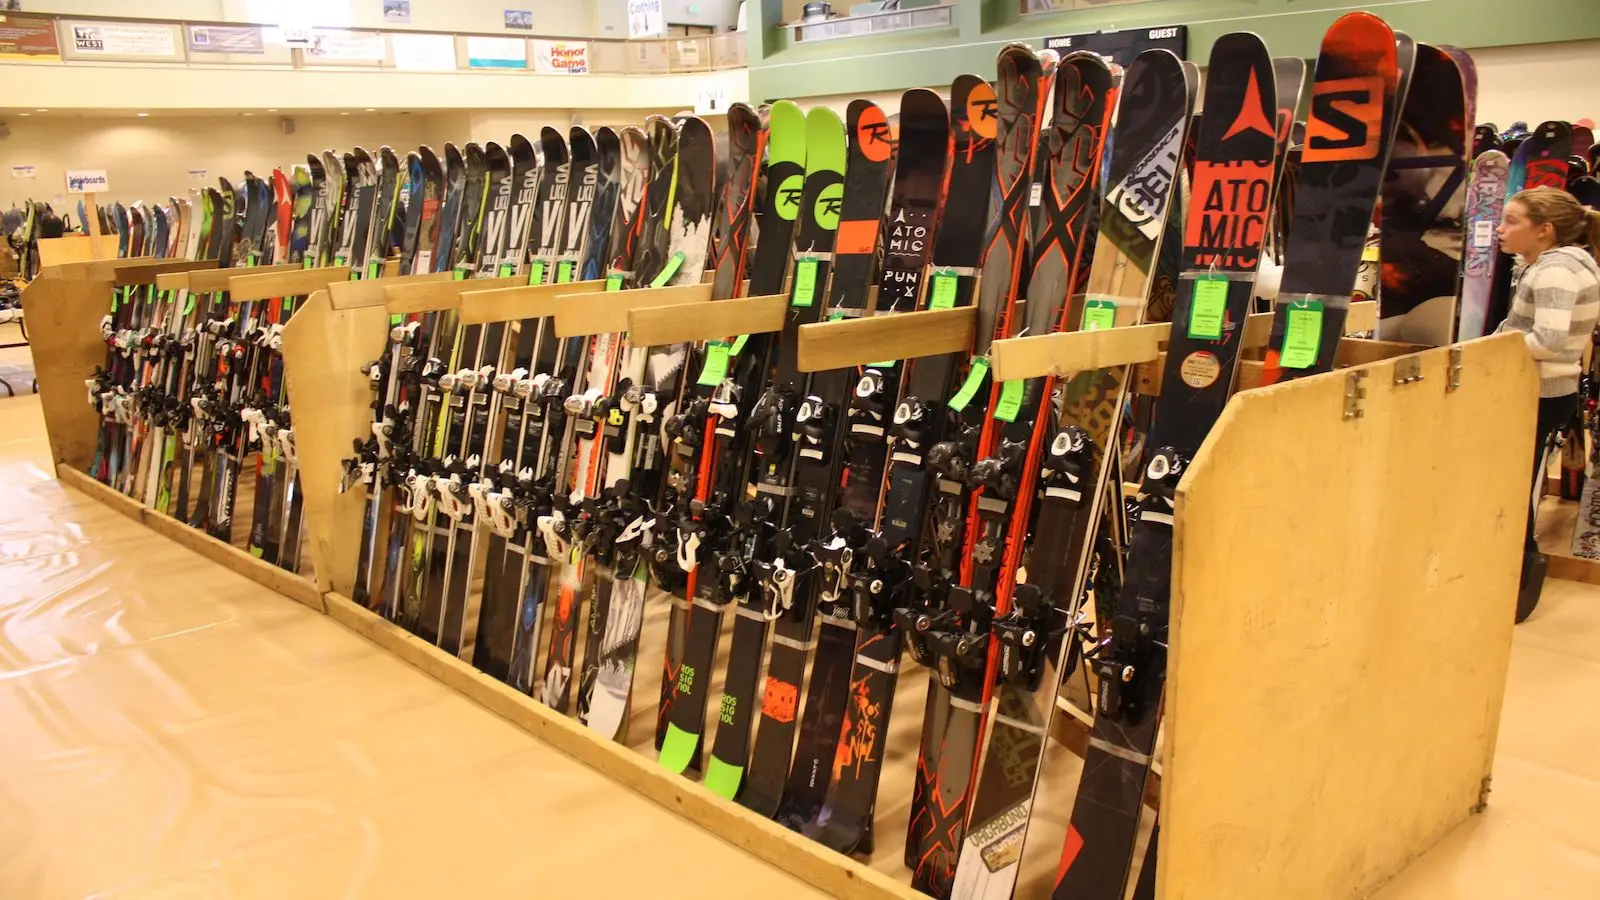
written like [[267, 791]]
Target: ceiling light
[[141, 115], [24, 115], [272, 110], [372, 109], [344, 114], [41, 110], [247, 115]]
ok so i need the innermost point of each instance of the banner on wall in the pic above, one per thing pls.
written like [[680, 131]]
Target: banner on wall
[[87, 181], [561, 57], [497, 53], [349, 46], [425, 52], [225, 39], [123, 39], [22, 171], [1122, 46], [646, 18], [27, 38]]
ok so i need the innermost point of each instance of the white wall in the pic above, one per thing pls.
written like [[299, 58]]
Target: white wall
[[1535, 83], [574, 18], [151, 157]]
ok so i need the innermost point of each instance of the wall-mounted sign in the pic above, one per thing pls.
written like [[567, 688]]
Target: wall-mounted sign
[[710, 102], [225, 39], [123, 39], [22, 171], [397, 11], [1122, 46], [197, 174], [348, 46], [520, 19], [28, 38], [646, 18], [428, 52], [87, 181], [561, 57], [497, 53]]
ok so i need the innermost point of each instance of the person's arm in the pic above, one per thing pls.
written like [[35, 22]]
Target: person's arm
[[1554, 290]]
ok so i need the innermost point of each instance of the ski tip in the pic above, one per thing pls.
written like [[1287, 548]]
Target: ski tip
[[678, 750], [723, 779]]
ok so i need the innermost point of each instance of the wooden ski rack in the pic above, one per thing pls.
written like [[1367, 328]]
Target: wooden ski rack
[[428, 296], [681, 323], [1367, 539], [513, 304], [1067, 352], [146, 271], [580, 313], [294, 282], [859, 342], [357, 293]]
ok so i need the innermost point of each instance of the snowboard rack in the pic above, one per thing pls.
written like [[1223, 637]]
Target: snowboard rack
[[1324, 571]]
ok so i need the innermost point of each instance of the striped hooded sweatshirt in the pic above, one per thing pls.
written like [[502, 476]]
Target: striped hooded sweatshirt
[[1554, 301]]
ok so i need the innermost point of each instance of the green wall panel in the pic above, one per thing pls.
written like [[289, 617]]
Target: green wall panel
[[981, 27]]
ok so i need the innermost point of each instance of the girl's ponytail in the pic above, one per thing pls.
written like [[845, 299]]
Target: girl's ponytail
[[1591, 230]]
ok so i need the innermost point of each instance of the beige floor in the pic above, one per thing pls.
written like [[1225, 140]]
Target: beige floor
[[172, 730]]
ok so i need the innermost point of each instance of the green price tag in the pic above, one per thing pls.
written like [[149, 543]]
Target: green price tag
[[1303, 338], [613, 282], [969, 389], [1099, 315], [536, 273], [188, 304], [306, 263], [886, 364], [355, 274], [339, 260], [805, 283], [374, 268], [117, 298], [716, 367], [395, 320], [672, 267], [459, 273], [943, 294], [506, 270], [1010, 402], [738, 344], [1208, 307], [288, 305], [564, 271]]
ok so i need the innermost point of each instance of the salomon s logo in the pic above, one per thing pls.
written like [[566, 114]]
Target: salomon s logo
[[1346, 119]]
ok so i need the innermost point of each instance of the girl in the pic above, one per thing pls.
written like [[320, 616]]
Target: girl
[[1555, 299]]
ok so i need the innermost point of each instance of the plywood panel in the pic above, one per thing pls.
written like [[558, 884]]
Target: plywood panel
[[64, 316], [323, 350], [1342, 626]]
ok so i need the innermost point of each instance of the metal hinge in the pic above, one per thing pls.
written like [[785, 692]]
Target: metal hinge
[[1354, 393], [1407, 370], [1452, 372]]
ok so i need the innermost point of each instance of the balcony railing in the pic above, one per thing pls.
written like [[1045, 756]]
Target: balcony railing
[[67, 40], [872, 23]]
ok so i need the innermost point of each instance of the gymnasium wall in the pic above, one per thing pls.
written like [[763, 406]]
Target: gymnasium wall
[[565, 18]]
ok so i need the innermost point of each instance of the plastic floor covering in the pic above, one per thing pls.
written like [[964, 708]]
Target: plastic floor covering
[[170, 729]]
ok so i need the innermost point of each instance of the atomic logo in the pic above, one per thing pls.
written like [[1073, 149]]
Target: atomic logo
[[1251, 116]]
